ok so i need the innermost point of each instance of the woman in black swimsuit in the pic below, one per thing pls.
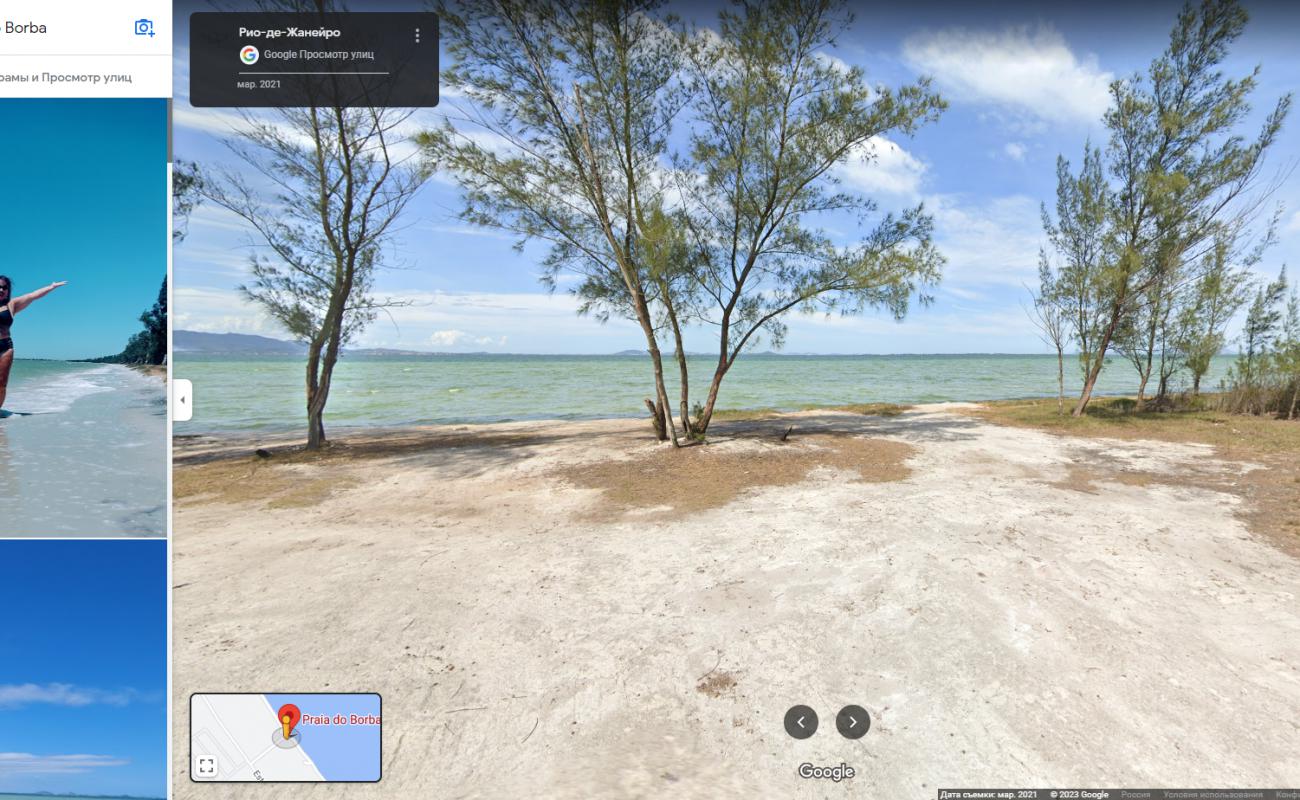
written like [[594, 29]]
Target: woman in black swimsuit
[[8, 308]]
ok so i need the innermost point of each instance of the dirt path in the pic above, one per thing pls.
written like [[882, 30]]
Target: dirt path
[[1003, 624]]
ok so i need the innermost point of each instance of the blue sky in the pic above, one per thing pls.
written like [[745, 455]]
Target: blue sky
[[83, 660], [982, 170], [84, 200]]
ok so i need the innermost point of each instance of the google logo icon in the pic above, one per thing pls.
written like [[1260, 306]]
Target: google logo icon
[[249, 54]]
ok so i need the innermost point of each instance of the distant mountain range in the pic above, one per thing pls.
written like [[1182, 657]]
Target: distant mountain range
[[244, 344], [241, 344]]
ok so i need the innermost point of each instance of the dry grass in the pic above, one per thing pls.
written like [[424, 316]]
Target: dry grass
[[694, 479], [867, 409], [251, 480], [1272, 493], [1237, 436], [716, 683], [872, 409], [293, 477]]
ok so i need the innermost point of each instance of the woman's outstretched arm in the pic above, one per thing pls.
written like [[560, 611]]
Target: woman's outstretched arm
[[19, 303]]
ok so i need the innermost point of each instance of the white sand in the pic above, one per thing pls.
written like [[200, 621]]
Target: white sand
[[1001, 630]]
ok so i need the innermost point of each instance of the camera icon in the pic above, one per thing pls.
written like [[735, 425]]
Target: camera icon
[[144, 27]]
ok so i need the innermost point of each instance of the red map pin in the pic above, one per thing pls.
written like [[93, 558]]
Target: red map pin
[[288, 715]]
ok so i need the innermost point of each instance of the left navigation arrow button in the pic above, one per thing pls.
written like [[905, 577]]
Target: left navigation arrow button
[[182, 400], [800, 722]]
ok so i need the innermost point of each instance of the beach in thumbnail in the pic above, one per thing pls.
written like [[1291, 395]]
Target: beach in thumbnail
[[83, 305]]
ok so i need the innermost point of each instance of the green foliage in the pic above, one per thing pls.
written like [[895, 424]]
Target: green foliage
[[187, 193], [570, 105], [1218, 295], [337, 193], [1180, 182], [148, 346], [1077, 234], [773, 120], [323, 191], [565, 139], [1266, 376]]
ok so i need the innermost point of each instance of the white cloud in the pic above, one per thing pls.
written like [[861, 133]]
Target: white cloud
[[468, 230], [964, 294], [1294, 225], [61, 694], [835, 63], [1014, 150], [994, 241], [447, 338], [219, 311], [213, 121], [433, 320], [454, 338], [1031, 71], [29, 764], [880, 165]]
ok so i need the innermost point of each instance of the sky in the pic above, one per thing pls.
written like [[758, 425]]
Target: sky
[[83, 199], [83, 660], [1025, 82]]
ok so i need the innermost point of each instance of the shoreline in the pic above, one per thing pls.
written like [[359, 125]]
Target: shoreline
[[281, 436], [93, 432], [1269, 482], [150, 370]]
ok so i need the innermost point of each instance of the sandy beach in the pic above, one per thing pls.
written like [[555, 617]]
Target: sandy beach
[[84, 452], [569, 610]]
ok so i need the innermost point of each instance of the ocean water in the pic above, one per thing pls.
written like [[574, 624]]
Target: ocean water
[[83, 451], [266, 393]]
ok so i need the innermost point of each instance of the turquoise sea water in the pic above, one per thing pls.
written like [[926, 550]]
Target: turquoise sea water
[[266, 394], [83, 451]]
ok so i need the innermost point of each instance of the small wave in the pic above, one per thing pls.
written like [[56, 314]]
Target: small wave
[[56, 393]]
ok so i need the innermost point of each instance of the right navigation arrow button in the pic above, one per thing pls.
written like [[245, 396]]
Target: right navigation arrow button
[[853, 722]]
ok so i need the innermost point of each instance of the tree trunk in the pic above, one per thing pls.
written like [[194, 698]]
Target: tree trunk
[[315, 429], [1086, 395], [683, 371], [1100, 360], [667, 413], [702, 424], [1142, 388], [320, 366], [657, 420], [316, 409], [315, 423], [1295, 398], [1196, 384], [688, 427], [656, 359], [1060, 382], [664, 410]]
